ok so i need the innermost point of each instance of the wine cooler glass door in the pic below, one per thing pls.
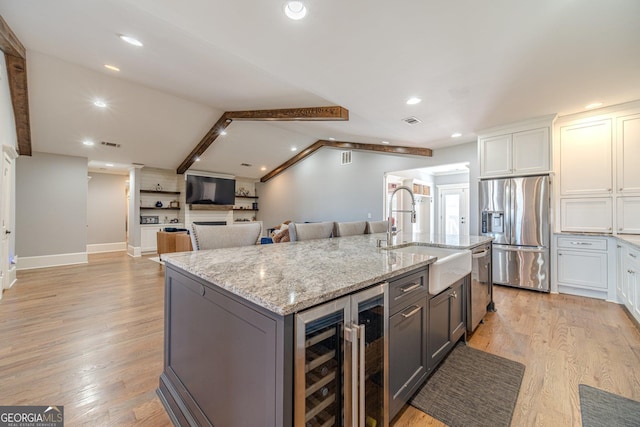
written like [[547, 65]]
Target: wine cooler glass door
[[320, 365], [369, 317]]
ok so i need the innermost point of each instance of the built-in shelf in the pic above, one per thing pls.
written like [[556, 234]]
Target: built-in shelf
[[159, 192], [161, 209], [211, 207], [246, 197], [248, 210]]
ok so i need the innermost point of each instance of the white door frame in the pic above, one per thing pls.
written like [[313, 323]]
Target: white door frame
[[463, 189], [9, 154]]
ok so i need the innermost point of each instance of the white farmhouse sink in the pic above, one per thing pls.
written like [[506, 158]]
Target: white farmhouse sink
[[452, 265]]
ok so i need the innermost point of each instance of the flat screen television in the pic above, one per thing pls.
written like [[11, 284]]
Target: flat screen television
[[207, 190]]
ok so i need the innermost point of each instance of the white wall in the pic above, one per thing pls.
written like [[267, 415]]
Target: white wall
[[320, 189], [106, 212], [51, 210]]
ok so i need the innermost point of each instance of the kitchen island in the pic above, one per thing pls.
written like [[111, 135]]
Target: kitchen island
[[229, 318]]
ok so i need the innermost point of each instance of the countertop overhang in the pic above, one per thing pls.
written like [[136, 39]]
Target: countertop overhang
[[285, 278]]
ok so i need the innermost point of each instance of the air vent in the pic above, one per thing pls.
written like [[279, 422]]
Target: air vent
[[411, 120], [110, 144], [345, 158], [247, 165]]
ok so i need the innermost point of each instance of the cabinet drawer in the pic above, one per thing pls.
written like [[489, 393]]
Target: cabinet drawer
[[406, 288], [632, 256], [583, 269], [575, 242]]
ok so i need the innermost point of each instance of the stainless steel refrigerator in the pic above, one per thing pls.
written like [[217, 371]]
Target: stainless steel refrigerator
[[515, 212]]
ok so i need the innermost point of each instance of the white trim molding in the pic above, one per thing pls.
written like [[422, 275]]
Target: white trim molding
[[31, 262], [134, 251], [106, 247]]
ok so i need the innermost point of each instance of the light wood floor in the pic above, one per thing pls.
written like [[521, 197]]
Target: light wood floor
[[90, 338]]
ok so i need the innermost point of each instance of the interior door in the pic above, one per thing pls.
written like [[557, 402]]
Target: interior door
[[454, 210], [5, 218]]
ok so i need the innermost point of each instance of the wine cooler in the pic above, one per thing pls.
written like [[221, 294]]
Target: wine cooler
[[341, 360]]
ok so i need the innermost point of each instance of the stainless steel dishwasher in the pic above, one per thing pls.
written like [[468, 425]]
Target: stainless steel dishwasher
[[480, 291]]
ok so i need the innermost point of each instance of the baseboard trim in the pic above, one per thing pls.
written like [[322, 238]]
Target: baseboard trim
[[106, 247], [134, 251], [31, 262], [13, 278]]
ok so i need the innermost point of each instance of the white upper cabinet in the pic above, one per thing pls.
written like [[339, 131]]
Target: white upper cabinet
[[531, 151], [519, 149], [495, 155], [628, 156], [585, 159], [628, 215]]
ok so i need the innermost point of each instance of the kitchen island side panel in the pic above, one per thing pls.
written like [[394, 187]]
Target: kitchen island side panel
[[226, 361]]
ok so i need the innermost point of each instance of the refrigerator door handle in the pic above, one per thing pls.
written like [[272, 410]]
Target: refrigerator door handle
[[520, 248]]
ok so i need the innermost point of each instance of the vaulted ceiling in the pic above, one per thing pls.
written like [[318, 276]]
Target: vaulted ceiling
[[474, 64]]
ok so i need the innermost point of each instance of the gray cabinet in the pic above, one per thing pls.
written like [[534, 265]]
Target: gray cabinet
[[407, 352], [446, 322]]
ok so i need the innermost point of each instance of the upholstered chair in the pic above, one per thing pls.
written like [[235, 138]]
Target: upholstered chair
[[309, 231], [225, 236], [349, 228], [377, 227]]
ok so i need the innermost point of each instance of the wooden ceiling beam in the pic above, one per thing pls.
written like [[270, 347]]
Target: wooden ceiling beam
[[204, 143], [284, 114], [292, 114], [390, 149], [15, 57]]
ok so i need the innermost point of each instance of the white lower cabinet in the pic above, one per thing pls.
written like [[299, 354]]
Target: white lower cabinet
[[149, 237], [593, 215], [582, 267], [629, 280]]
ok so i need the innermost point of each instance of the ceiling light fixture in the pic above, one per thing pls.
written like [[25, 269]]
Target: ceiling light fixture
[[100, 103], [223, 133], [263, 168], [593, 105], [332, 139], [111, 67], [197, 159], [293, 148], [88, 143], [109, 165], [131, 40], [385, 142], [413, 101], [295, 10], [456, 135]]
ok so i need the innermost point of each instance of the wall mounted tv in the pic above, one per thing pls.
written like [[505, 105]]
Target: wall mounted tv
[[207, 190]]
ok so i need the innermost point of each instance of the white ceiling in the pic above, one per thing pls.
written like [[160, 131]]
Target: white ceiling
[[476, 64]]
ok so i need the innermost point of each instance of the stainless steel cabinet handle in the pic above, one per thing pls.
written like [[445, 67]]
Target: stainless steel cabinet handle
[[410, 288], [631, 272], [582, 243], [453, 294], [416, 309], [632, 255]]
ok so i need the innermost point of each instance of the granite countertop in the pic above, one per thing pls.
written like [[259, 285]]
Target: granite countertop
[[289, 277], [632, 239]]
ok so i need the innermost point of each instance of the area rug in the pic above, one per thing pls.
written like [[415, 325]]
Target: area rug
[[601, 408], [471, 388]]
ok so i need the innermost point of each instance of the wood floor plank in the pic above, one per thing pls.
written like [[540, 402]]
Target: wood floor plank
[[90, 337]]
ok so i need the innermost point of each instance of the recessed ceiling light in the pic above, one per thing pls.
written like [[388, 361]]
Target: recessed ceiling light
[[593, 105], [293, 148], [223, 133], [197, 159], [100, 103], [111, 67], [456, 135], [87, 142], [109, 165], [385, 142], [413, 101], [295, 10], [131, 40], [263, 168], [332, 139]]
